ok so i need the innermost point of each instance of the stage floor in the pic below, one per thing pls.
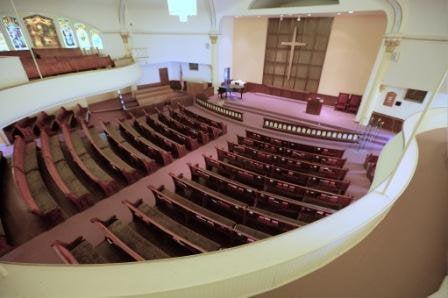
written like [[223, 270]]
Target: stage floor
[[289, 108]]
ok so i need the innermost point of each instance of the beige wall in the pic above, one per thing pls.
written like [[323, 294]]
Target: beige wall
[[352, 49], [249, 41]]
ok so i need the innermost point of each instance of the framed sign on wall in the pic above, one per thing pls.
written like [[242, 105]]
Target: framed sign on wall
[[415, 95], [389, 100]]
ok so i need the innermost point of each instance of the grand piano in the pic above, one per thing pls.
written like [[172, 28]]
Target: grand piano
[[230, 86]]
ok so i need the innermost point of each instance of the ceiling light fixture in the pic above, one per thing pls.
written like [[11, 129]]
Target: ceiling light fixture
[[309, 14], [182, 8], [350, 11], [298, 19], [338, 13]]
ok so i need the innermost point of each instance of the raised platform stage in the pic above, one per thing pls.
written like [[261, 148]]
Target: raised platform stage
[[294, 111]]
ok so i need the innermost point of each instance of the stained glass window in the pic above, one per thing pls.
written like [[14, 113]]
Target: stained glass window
[[15, 33], [67, 33], [42, 31], [3, 44], [83, 37], [96, 40]]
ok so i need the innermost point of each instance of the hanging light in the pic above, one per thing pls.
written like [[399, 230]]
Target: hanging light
[[182, 8]]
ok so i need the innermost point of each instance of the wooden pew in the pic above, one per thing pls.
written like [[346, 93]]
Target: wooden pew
[[66, 116], [249, 234], [176, 149], [62, 177], [127, 151], [81, 112], [237, 232], [276, 186], [213, 132], [79, 251], [302, 211], [24, 128], [44, 121], [30, 185], [297, 177], [87, 166], [205, 197], [370, 158], [208, 196], [271, 221], [182, 128], [253, 148], [174, 135], [128, 240], [192, 211], [205, 120], [184, 236], [160, 155], [106, 155], [297, 146], [335, 162]]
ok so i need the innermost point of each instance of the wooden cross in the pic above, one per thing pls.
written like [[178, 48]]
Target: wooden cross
[[293, 43]]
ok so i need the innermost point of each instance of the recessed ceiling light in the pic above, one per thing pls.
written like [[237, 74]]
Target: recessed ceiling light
[[338, 13], [350, 11], [309, 14]]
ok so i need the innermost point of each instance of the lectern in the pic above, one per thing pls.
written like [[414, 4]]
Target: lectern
[[314, 106]]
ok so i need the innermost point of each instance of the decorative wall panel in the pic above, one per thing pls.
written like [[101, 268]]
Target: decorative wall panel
[[302, 71]]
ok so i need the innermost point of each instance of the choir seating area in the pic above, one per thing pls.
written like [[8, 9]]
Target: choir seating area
[[58, 61], [253, 187]]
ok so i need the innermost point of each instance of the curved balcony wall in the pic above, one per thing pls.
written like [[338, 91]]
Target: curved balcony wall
[[242, 271], [24, 100]]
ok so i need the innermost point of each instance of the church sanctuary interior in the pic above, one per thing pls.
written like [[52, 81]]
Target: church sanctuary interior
[[224, 148]]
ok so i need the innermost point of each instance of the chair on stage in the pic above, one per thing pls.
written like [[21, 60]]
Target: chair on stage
[[353, 105], [342, 102]]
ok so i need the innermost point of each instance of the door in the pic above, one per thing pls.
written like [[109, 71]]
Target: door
[[163, 73]]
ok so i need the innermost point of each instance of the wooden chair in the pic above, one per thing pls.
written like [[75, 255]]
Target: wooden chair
[[341, 104]]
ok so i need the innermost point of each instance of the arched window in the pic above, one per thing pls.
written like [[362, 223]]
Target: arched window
[[97, 42], [3, 44], [15, 33], [42, 31], [83, 37], [67, 33]]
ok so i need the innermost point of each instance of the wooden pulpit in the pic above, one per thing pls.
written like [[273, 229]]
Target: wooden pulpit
[[314, 106]]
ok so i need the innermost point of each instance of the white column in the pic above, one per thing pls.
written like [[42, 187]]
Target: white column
[[214, 59], [127, 48], [370, 96]]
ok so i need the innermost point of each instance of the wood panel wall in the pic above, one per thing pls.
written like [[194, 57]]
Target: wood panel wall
[[308, 60]]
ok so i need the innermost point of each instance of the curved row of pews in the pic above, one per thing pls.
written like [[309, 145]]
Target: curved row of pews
[[232, 201], [258, 187], [62, 165]]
